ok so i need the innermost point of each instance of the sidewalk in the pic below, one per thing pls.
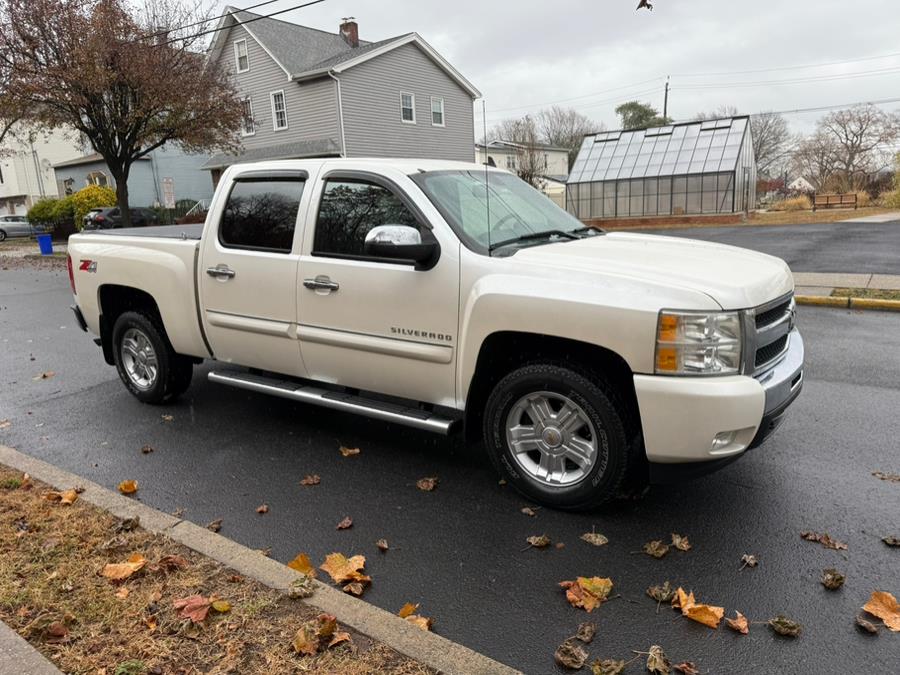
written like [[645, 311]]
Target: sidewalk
[[816, 288], [17, 656]]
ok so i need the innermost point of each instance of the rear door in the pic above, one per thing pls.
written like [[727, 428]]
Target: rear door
[[248, 272]]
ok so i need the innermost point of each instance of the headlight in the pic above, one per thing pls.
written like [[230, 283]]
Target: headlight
[[698, 343]]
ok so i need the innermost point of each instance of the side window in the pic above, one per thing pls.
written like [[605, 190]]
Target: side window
[[261, 215], [349, 209]]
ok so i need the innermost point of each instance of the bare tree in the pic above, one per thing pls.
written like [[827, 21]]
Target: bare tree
[[772, 140], [531, 160], [862, 139], [128, 80], [566, 128], [721, 112], [815, 158]]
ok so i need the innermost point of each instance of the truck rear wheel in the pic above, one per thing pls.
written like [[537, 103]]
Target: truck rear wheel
[[146, 362], [557, 436]]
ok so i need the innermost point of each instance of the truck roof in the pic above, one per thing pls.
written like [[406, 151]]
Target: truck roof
[[405, 165]]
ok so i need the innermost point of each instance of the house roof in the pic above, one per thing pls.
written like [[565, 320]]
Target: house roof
[[500, 144], [305, 53], [319, 147], [93, 158]]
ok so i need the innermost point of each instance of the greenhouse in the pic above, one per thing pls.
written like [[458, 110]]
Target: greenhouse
[[680, 169]]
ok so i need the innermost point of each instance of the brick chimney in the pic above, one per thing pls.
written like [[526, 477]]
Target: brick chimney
[[350, 31]]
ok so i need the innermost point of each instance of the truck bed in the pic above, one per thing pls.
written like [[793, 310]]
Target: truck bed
[[189, 231]]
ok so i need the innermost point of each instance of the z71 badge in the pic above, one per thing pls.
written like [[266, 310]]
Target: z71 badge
[[88, 266]]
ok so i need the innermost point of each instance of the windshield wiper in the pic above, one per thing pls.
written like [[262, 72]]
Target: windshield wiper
[[532, 237], [585, 230]]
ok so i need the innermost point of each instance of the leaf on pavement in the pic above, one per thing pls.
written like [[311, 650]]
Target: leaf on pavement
[[43, 376], [739, 623], [193, 607], [147, 449], [528, 511], [341, 569], [382, 545], [825, 539], [884, 605], [708, 615], [407, 610], [123, 570], [587, 592], [539, 541], [594, 538], [748, 560], [784, 626], [427, 484], [262, 509], [570, 655], [680, 542], [662, 593], [891, 541], [128, 487], [687, 668], [354, 588], [607, 667], [832, 579], [866, 625], [420, 621], [657, 661], [890, 477], [5, 424], [349, 452], [657, 548], [303, 565], [215, 525], [586, 632], [168, 418], [346, 523], [311, 479]]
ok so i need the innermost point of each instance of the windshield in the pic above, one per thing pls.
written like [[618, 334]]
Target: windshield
[[504, 209]]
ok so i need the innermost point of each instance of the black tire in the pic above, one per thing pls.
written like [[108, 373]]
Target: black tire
[[602, 407], [2, 235], [173, 374]]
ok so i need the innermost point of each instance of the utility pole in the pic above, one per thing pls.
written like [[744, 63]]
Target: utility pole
[[666, 99]]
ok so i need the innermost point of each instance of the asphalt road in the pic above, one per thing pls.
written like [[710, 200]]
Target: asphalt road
[[460, 550], [864, 248]]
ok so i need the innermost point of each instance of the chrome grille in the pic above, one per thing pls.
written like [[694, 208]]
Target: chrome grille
[[767, 335]]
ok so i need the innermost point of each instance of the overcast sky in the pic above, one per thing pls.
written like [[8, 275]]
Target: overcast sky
[[594, 54]]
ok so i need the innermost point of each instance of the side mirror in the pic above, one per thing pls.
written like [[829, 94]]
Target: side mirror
[[399, 242]]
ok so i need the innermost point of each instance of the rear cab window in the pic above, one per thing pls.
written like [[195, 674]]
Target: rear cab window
[[261, 214]]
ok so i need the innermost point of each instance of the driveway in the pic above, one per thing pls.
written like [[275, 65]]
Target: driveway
[[460, 551], [861, 247]]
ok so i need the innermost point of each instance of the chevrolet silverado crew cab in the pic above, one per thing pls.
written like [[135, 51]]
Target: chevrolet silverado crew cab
[[439, 294]]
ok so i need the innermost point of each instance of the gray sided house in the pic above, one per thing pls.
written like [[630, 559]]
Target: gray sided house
[[148, 180], [310, 93]]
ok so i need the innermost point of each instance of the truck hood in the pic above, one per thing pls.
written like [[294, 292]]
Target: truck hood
[[736, 278]]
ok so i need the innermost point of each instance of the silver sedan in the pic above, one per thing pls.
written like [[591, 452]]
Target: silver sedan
[[17, 226]]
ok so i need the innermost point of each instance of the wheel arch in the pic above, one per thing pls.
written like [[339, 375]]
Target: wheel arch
[[113, 301]]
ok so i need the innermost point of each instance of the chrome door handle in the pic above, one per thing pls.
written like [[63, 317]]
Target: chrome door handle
[[321, 283], [221, 271]]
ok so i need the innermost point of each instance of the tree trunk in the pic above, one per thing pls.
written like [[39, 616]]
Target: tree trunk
[[122, 197]]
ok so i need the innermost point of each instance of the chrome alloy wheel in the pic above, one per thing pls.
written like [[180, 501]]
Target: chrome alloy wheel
[[139, 359], [552, 438]]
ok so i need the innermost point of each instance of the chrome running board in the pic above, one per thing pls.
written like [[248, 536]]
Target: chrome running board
[[336, 400]]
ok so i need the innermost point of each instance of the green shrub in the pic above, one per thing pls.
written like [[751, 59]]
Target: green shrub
[[64, 210], [43, 212], [91, 197], [801, 203], [891, 199]]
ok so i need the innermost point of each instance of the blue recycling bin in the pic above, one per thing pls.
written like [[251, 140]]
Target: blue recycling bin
[[45, 243]]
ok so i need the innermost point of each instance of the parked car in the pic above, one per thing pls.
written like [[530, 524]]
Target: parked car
[[441, 295], [111, 217], [17, 226]]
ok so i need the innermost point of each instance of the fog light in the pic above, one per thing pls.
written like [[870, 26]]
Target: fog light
[[722, 440]]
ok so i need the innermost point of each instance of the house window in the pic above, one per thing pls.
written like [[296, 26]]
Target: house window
[[437, 111], [510, 161], [408, 108], [279, 111], [248, 127], [97, 178], [241, 56]]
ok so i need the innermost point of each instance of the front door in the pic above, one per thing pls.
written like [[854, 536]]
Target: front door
[[248, 274], [369, 323]]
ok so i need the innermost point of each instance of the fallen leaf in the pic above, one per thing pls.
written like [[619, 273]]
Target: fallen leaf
[[150, 622], [215, 525], [662, 593], [586, 632], [539, 541], [316, 634], [570, 655], [739, 623], [587, 592], [306, 641], [657, 662], [688, 668], [559, 545], [607, 667], [427, 484], [262, 508], [147, 449], [501, 482], [866, 625], [5, 424], [784, 626], [193, 607], [235, 579], [26, 482], [354, 588], [890, 477], [594, 538], [345, 523], [221, 606], [128, 524], [311, 479], [349, 452], [56, 633], [832, 579], [682, 599], [422, 622], [825, 539], [338, 638], [708, 615], [407, 610], [748, 560], [891, 541], [170, 563], [123, 570], [66, 497], [884, 605], [657, 549], [128, 487], [44, 376], [382, 545], [528, 511], [122, 593], [167, 418], [342, 569], [304, 587], [680, 542], [303, 565]]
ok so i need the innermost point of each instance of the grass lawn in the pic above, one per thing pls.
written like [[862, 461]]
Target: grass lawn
[[57, 591], [868, 293]]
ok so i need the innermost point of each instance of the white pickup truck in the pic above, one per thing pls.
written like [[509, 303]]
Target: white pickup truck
[[440, 294]]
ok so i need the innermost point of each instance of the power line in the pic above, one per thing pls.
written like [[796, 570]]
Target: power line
[[821, 108], [799, 80], [575, 98], [780, 68], [202, 22]]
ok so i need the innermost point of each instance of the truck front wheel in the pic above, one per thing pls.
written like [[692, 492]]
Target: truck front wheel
[[558, 436], [146, 362]]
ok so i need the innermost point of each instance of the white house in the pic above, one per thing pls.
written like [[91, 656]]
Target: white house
[[504, 154], [801, 185], [26, 167]]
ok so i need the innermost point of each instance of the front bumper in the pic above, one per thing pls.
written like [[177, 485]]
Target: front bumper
[[681, 416]]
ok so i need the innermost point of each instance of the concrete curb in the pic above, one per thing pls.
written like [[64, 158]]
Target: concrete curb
[[18, 656], [849, 303], [428, 648]]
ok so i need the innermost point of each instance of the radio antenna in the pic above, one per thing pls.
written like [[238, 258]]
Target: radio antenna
[[487, 186]]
